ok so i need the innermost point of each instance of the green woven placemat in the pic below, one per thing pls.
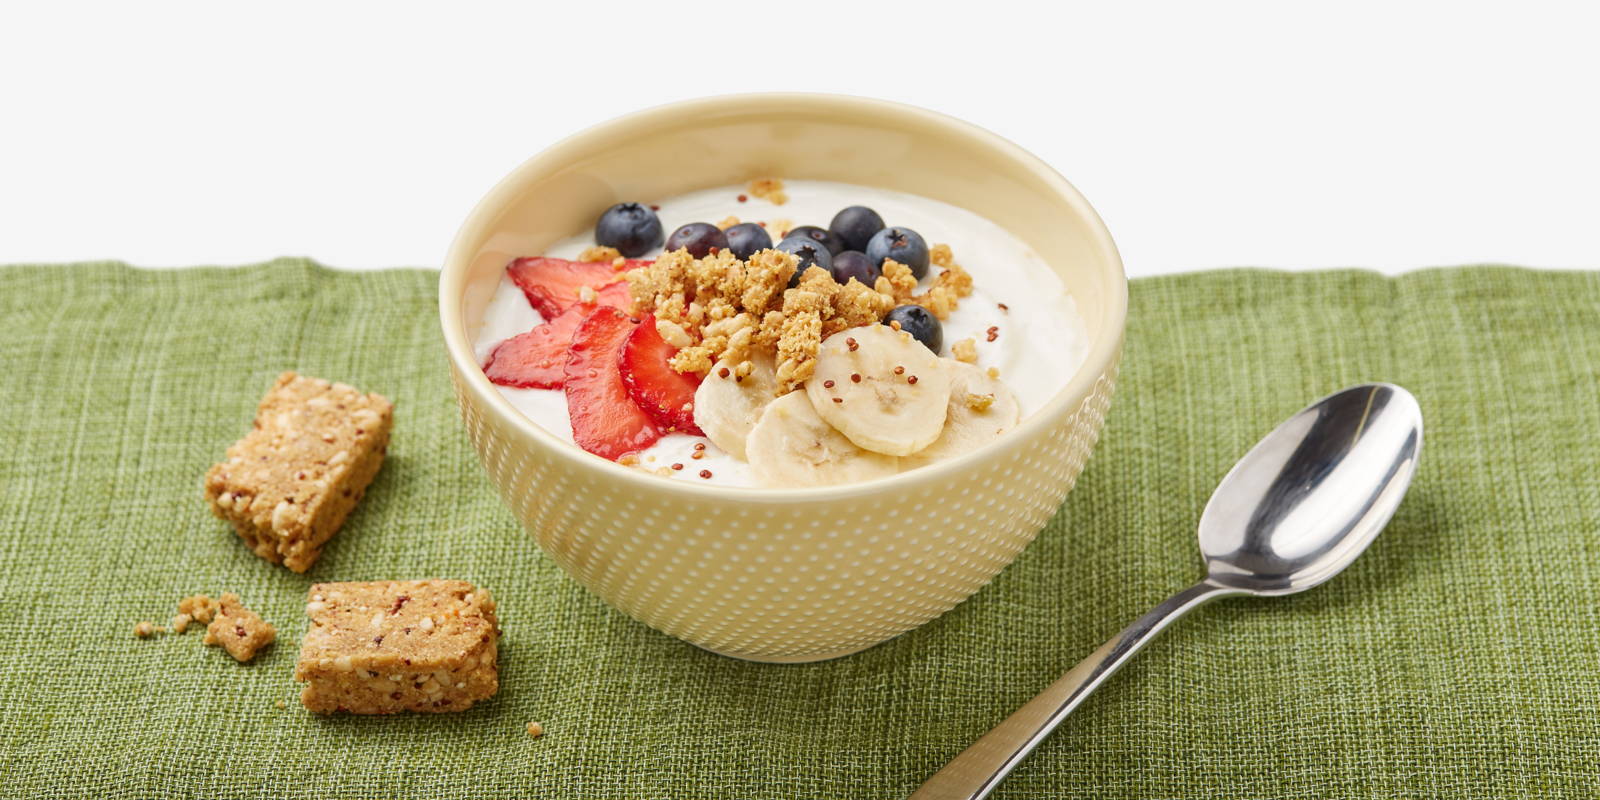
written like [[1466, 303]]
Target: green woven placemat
[[1459, 658]]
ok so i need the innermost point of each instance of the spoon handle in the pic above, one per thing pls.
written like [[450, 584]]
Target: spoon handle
[[976, 772]]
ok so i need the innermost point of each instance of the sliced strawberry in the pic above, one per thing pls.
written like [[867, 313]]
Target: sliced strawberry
[[615, 295], [552, 284], [664, 393], [536, 359], [605, 420]]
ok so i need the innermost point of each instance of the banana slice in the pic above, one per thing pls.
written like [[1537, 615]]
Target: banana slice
[[981, 408], [791, 446], [727, 408], [880, 388]]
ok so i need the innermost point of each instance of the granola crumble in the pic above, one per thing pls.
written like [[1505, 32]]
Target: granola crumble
[[600, 253], [965, 350], [980, 402], [535, 729], [728, 222], [721, 309], [769, 189]]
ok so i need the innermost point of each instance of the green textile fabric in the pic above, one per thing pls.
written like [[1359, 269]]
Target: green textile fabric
[[1460, 657]]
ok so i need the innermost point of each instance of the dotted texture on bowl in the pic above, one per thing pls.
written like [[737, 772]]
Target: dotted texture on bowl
[[797, 581]]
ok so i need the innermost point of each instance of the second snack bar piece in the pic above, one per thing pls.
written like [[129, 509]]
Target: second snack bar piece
[[380, 647]]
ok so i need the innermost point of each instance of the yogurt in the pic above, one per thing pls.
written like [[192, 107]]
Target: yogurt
[[1040, 340]]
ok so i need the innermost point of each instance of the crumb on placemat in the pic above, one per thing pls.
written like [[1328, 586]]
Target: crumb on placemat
[[199, 607], [238, 630], [535, 729]]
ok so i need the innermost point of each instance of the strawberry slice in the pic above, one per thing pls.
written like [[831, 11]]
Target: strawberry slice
[[551, 284], [536, 359], [664, 393], [615, 295], [605, 420]]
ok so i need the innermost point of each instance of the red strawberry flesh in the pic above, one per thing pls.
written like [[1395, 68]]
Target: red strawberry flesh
[[664, 393], [536, 359], [605, 420], [552, 285]]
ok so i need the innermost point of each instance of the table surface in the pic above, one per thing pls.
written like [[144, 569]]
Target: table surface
[[1225, 134]]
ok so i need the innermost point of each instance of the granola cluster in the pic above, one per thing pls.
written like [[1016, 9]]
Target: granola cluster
[[719, 308], [769, 189]]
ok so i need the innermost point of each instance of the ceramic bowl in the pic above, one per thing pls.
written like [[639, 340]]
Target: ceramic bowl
[[785, 575]]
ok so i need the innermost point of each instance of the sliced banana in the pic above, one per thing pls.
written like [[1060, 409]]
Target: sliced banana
[[726, 408], [881, 388], [791, 446], [980, 409]]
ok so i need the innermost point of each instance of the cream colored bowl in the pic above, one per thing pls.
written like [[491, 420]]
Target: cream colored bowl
[[785, 574]]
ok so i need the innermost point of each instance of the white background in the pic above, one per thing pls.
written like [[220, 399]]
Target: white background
[[1382, 135]]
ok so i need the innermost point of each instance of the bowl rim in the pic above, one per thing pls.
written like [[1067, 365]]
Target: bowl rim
[[1102, 356]]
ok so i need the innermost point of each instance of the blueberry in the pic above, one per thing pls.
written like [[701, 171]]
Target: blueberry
[[855, 225], [631, 228], [810, 253], [854, 264], [920, 323], [820, 236], [901, 244], [746, 238], [699, 237]]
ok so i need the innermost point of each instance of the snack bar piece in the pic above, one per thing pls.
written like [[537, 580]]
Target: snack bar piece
[[288, 485], [238, 630], [381, 647]]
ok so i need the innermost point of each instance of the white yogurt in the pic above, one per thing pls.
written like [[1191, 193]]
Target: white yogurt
[[1041, 340]]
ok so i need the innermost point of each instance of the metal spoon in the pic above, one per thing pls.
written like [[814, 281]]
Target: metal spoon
[[1297, 509]]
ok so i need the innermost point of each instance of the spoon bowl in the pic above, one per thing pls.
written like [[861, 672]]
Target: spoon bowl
[[1310, 497], [1297, 509]]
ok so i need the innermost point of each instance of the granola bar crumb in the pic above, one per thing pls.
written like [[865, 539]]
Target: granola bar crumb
[[144, 630], [965, 351], [980, 402], [535, 729], [728, 222], [180, 623], [238, 630], [941, 256], [587, 294], [769, 189], [600, 253], [280, 704], [994, 373], [782, 226], [198, 607]]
